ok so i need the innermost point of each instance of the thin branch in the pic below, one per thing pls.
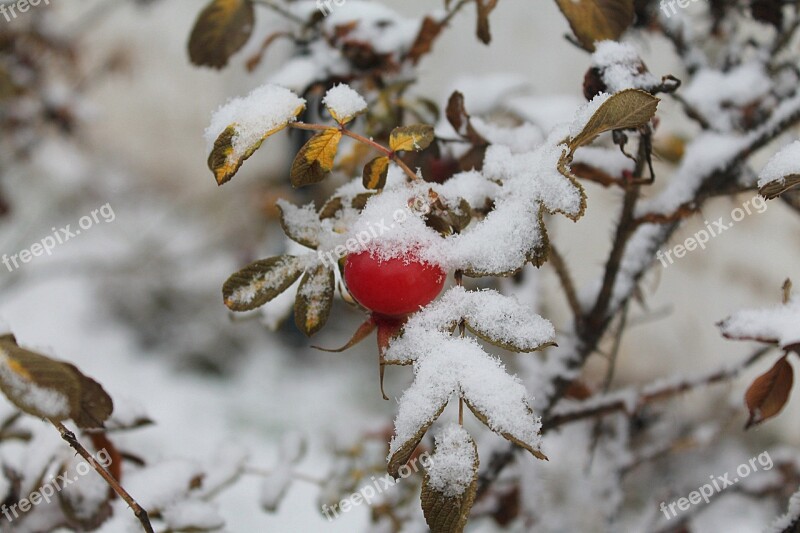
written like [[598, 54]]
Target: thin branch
[[562, 271], [70, 438]]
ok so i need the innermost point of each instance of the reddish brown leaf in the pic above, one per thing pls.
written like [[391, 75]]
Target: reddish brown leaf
[[428, 32], [769, 392]]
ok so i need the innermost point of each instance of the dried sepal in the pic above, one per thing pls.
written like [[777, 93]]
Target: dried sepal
[[314, 299], [260, 282]]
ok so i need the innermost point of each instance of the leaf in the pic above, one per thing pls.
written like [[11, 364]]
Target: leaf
[[458, 117], [47, 388], [315, 159], [428, 33], [416, 137], [485, 7], [630, 108], [300, 224], [375, 173], [597, 20], [769, 392], [447, 507], [223, 160], [773, 189], [312, 306], [221, 29], [260, 282]]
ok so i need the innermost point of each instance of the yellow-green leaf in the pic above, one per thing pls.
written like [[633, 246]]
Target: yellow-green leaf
[[411, 138], [314, 300], [375, 173], [260, 282], [315, 159], [597, 20], [221, 29], [630, 108], [446, 503]]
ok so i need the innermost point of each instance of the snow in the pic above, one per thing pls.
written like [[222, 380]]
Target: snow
[[792, 515], [275, 485], [269, 280], [265, 109], [785, 162], [523, 138], [48, 403], [164, 483], [452, 465], [621, 68], [585, 113], [472, 186], [610, 160], [779, 324], [302, 221], [343, 102], [193, 515]]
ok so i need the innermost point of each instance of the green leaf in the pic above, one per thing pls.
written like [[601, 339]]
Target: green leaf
[[221, 29], [260, 282], [315, 159], [415, 138], [314, 299]]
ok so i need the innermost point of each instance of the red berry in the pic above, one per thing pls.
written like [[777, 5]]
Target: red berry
[[392, 287]]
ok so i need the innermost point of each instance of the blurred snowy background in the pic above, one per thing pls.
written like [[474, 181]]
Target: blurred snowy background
[[136, 302]]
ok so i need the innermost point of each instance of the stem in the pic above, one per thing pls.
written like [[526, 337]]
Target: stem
[[140, 513], [364, 140], [281, 11], [566, 283]]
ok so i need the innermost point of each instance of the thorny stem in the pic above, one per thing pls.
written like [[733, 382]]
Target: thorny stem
[[70, 438], [462, 329], [364, 140]]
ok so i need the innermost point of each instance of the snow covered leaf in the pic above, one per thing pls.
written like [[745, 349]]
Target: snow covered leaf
[[415, 138], [239, 127], [451, 481], [597, 20], [221, 29], [777, 325], [192, 516], [781, 173], [260, 282], [769, 393], [375, 173], [86, 504], [343, 103], [275, 486], [301, 224], [630, 108], [314, 300], [51, 389], [315, 159]]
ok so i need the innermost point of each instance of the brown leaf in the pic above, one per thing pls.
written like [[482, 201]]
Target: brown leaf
[[304, 234], [428, 32], [597, 20], [485, 7], [415, 138], [773, 189], [221, 29], [260, 282], [375, 173], [769, 392], [315, 159], [448, 513], [312, 306], [458, 117], [630, 108]]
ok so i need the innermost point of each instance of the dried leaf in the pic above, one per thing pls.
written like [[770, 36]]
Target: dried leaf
[[312, 306], [630, 108], [769, 392], [415, 138], [375, 173], [260, 282], [221, 29], [331, 207], [773, 189], [428, 32], [597, 20], [485, 7], [446, 512], [315, 159], [306, 234]]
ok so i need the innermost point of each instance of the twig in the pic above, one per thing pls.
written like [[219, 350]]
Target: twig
[[70, 438], [562, 271]]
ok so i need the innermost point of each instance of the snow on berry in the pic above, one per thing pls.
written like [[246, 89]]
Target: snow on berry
[[344, 103]]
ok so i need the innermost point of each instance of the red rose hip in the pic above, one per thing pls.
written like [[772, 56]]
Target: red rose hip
[[393, 287]]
